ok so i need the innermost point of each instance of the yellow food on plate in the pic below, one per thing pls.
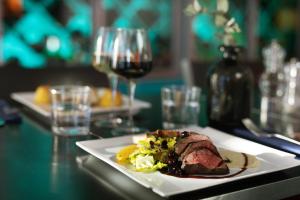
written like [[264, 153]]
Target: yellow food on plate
[[122, 156], [42, 95], [106, 99]]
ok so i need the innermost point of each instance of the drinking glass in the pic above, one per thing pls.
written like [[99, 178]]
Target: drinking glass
[[131, 59], [70, 110], [180, 106], [101, 62]]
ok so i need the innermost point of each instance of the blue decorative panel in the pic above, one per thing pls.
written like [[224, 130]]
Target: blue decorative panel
[[154, 15], [41, 31], [58, 31]]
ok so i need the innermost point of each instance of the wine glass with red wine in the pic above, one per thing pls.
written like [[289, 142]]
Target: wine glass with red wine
[[131, 59], [101, 62]]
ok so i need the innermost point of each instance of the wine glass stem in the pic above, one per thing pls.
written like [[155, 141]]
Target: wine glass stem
[[132, 86], [113, 83]]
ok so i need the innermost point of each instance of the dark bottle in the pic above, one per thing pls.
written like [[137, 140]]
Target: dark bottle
[[229, 90]]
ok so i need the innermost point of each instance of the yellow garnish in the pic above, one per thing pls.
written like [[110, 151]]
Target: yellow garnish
[[42, 95], [106, 99], [122, 156]]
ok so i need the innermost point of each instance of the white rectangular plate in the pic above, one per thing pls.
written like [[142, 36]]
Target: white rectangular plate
[[27, 99], [271, 160]]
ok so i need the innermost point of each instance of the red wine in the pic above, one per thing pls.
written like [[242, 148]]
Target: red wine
[[132, 70]]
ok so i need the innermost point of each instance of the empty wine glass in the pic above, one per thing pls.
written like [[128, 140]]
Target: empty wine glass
[[131, 59], [101, 62]]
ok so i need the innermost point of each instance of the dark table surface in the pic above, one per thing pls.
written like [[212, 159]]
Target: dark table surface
[[35, 164]]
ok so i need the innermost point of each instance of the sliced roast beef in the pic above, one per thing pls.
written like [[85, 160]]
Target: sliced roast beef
[[199, 155], [193, 137], [198, 145], [203, 161]]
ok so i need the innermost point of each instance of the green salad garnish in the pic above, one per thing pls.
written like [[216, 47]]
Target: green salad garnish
[[152, 153]]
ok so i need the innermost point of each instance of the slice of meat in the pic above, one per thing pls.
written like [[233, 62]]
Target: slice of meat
[[184, 142], [207, 144], [199, 155], [204, 161]]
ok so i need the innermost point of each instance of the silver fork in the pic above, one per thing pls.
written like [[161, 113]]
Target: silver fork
[[248, 123]]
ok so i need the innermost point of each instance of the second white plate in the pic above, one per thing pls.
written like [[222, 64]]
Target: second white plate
[[27, 99]]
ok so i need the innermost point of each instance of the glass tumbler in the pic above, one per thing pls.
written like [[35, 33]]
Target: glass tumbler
[[180, 106], [70, 110]]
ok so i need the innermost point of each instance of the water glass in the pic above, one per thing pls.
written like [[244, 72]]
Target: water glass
[[180, 106], [71, 111]]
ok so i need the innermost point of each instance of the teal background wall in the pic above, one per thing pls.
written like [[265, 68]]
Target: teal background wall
[[45, 33]]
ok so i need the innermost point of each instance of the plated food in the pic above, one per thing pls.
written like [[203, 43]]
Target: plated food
[[42, 96], [182, 154], [234, 151]]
